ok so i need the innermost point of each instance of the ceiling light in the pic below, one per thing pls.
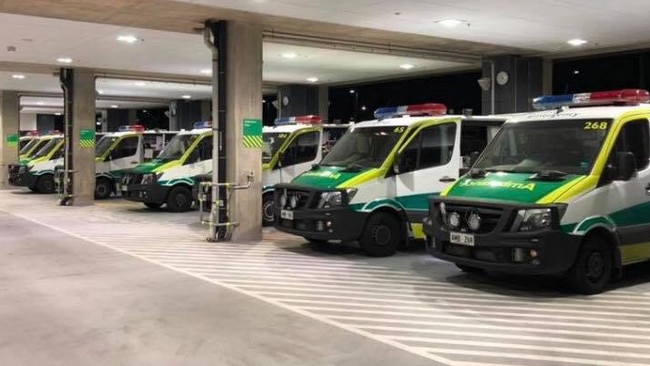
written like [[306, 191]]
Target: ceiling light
[[450, 23], [115, 106], [128, 39], [140, 83], [206, 71], [576, 42], [18, 76], [576, 72], [363, 108], [290, 55], [100, 92], [57, 113], [352, 91], [312, 79], [406, 66], [186, 97], [40, 103], [64, 60]]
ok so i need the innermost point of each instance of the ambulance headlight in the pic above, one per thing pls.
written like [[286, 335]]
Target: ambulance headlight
[[150, 178], [283, 200], [336, 198], [533, 219]]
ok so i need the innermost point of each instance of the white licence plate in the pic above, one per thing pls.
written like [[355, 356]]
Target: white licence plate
[[286, 214], [124, 188], [461, 239]]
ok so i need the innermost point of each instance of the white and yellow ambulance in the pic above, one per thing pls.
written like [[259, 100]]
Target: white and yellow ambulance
[[373, 185], [563, 191], [37, 171]]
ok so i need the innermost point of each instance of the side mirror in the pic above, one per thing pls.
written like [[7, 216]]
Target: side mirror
[[473, 157], [626, 166], [280, 158], [397, 163]]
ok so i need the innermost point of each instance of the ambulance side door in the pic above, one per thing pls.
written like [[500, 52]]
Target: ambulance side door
[[126, 154], [299, 156], [200, 159], [429, 162]]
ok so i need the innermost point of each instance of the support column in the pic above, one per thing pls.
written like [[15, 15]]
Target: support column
[[83, 119], [244, 101], [516, 81], [9, 126]]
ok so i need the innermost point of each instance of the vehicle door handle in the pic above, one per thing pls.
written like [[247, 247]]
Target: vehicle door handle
[[447, 179], [134, 163]]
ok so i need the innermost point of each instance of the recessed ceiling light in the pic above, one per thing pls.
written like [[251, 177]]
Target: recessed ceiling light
[[312, 79], [186, 97], [40, 103], [352, 91], [115, 106], [451, 23], [18, 76], [64, 60], [100, 92], [140, 83], [576, 72], [57, 113], [363, 108], [128, 39], [289, 55], [406, 66], [206, 71], [576, 42]]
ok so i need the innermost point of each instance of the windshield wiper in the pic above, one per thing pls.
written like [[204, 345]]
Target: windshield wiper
[[549, 175], [354, 167]]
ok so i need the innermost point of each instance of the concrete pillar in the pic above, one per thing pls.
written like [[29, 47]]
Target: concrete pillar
[[514, 94], [244, 95], [298, 100], [83, 118], [324, 103], [9, 126]]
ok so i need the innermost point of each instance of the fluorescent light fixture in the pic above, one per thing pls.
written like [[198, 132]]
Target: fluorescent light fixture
[[312, 79], [40, 103], [406, 66], [352, 91], [128, 39], [206, 71], [576, 42], [18, 76], [289, 55], [100, 92], [186, 96], [140, 83], [57, 113], [115, 106], [64, 60], [576, 72], [451, 23]]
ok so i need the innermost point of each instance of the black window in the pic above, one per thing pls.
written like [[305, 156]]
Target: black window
[[433, 146], [633, 138], [303, 148], [128, 146], [202, 152]]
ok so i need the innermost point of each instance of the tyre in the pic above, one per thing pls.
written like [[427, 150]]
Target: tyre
[[268, 210], [32, 188], [103, 188], [179, 199], [45, 184], [592, 269], [468, 269], [153, 206], [382, 235]]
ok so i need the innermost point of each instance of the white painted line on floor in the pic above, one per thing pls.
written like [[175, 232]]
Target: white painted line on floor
[[317, 317]]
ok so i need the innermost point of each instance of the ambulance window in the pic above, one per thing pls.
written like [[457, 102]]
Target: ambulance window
[[634, 138], [303, 148], [128, 146], [473, 138], [437, 145], [202, 152]]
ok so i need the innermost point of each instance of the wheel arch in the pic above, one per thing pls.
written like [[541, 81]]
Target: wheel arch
[[610, 238]]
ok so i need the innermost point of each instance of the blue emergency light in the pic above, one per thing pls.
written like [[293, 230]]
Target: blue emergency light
[[203, 124], [624, 96], [310, 120], [131, 128], [426, 109]]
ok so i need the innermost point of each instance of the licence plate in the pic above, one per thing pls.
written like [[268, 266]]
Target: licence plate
[[286, 214], [461, 239], [124, 188]]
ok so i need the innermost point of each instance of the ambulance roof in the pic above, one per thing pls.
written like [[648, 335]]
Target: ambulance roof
[[407, 121], [601, 112]]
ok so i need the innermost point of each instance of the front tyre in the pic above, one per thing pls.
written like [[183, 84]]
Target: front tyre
[[45, 184], [382, 235], [179, 199], [592, 269], [268, 210], [103, 188]]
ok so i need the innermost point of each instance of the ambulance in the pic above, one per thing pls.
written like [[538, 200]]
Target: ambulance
[[33, 144], [119, 151], [562, 191], [37, 171], [373, 185], [169, 178]]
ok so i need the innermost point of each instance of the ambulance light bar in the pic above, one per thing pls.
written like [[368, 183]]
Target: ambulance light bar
[[426, 109], [52, 132], [132, 128], [32, 133], [624, 96], [308, 120], [203, 124]]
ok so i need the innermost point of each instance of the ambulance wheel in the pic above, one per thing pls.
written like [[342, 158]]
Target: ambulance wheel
[[179, 199], [153, 206], [593, 267], [103, 188], [268, 210], [45, 184], [32, 188], [468, 269], [382, 235]]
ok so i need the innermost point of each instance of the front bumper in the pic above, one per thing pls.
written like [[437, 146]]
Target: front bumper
[[145, 193], [22, 179], [501, 250], [337, 223]]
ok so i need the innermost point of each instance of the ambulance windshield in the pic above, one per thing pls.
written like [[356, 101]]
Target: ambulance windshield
[[562, 147], [48, 148], [365, 147], [27, 147], [272, 143], [177, 147], [104, 144]]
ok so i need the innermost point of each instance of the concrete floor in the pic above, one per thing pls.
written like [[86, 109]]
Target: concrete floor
[[119, 284]]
